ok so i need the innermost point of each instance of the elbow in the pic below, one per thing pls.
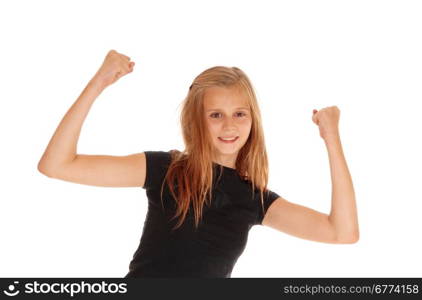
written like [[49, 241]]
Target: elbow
[[44, 170], [352, 239], [349, 241]]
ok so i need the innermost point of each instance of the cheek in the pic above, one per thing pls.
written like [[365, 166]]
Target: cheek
[[214, 128], [245, 126]]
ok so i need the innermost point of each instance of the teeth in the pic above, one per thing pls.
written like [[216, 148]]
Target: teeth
[[228, 139]]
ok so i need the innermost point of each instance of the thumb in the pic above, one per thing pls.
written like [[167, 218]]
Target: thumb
[[314, 119]]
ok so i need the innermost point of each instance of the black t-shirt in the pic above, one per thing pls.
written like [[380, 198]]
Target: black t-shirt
[[213, 248]]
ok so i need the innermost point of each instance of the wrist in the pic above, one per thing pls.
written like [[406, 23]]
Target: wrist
[[330, 138], [97, 83]]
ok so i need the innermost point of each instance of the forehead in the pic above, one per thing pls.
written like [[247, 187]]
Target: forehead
[[223, 97]]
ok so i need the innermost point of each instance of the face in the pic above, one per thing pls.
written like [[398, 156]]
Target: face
[[227, 115]]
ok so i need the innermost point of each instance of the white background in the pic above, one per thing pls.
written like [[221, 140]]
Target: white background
[[362, 56]]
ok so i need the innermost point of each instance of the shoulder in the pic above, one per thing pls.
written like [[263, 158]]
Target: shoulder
[[157, 164], [160, 157], [269, 197]]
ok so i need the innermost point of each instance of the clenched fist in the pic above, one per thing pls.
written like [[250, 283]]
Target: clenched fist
[[327, 120], [115, 65]]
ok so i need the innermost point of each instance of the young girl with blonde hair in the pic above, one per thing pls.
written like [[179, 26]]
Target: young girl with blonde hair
[[202, 201]]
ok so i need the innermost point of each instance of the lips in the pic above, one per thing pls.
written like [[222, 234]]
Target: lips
[[228, 140]]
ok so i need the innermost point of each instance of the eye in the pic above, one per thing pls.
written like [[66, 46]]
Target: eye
[[213, 115], [239, 114]]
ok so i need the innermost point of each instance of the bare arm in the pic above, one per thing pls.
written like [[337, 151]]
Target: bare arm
[[62, 147], [60, 159], [343, 215], [341, 225]]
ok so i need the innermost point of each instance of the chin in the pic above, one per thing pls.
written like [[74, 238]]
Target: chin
[[225, 152], [228, 150]]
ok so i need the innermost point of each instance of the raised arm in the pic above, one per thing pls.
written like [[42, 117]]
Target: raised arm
[[341, 225], [60, 159]]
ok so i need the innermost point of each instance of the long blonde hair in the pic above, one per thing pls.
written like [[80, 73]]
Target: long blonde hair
[[192, 169]]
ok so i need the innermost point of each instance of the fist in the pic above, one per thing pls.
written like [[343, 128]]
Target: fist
[[327, 120], [115, 65]]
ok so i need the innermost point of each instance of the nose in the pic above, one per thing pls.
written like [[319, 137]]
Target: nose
[[228, 123]]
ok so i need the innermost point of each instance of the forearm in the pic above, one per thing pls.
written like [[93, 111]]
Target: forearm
[[62, 146], [343, 215]]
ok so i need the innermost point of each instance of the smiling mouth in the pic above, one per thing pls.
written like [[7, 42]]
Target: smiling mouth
[[228, 140]]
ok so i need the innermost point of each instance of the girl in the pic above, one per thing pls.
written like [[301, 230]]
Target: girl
[[203, 200]]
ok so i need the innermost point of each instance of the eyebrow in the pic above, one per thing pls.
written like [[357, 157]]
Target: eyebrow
[[221, 109]]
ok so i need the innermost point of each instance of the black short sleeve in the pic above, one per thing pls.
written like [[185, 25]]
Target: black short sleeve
[[269, 198], [157, 163]]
